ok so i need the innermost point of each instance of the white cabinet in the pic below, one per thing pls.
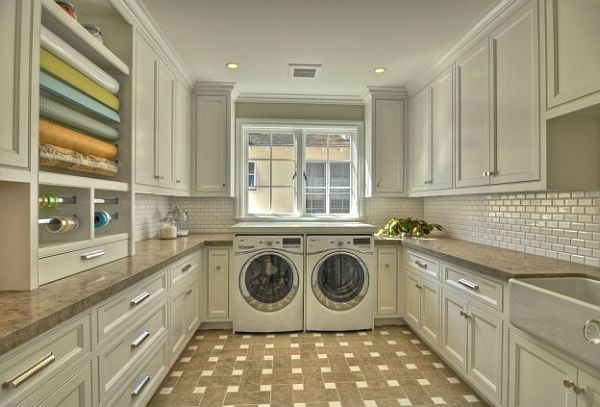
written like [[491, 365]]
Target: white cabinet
[[183, 140], [413, 300], [184, 312], [387, 304], [218, 284], [432, 134], [422, 306], [454, 329], [572, 53], [166, 113]]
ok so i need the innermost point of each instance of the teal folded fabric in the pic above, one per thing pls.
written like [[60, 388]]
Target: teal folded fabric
[[51, 109], [71, 95]]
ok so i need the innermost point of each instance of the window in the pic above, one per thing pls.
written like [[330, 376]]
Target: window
[[299, 171]]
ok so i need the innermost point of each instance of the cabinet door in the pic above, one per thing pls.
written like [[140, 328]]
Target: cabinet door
[[76, 391], [218, 284], [212, 158], [442, 130], [420, 140], [413, 300], [166, 103], [484, 358], [473, 138], [573, 56], [177, 329], [430, 310], [146, 74], [387, 278], [183, 140], [191, 307], [389, 147], [15, 32], [536, 376], [591, 390], [454, 329], [516, 97]]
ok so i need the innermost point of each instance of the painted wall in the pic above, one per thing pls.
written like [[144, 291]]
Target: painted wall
[[298, 111]]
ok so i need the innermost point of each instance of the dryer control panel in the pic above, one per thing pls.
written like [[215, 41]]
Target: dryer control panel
[[360, 243], [249, 243]]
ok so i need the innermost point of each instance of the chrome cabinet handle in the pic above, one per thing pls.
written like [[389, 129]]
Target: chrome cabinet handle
[[464, 314], [418, 286], [186, 268], [140, 386], [178, 181], [422, 265], [188, 292], [93, 255], [22, 377], [140, 339], [140, 298], [468, 284], [568, 383], [578, 390]]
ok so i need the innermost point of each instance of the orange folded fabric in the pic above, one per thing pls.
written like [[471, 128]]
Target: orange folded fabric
[[51, 133]]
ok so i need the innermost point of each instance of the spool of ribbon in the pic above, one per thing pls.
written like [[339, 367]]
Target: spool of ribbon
[[102, 219], [48, 201], [63, 224]]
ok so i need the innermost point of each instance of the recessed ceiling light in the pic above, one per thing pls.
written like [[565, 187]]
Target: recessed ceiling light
[[379, 70], [232, 65]]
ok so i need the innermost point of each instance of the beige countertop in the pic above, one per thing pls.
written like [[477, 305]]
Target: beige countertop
[[26, 314]]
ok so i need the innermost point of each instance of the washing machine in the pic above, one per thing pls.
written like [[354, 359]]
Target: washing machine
[[268, 279], [339, 283]]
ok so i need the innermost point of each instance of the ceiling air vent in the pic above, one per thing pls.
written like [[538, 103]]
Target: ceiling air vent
[[304, 70]]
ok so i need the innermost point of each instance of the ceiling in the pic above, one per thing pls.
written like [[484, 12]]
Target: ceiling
[[349, 38]]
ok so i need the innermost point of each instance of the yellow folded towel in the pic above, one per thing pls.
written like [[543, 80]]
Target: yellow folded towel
[[73, 77]]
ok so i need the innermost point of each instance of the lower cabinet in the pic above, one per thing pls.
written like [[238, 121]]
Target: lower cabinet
[[184, 311], [422, 306], [217, 274], [388, 291]]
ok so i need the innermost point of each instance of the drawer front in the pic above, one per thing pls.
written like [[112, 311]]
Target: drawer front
[[62, 265], [487, 291], [40, 359], [183, 268], [423, 264], [143, 382], [132, 303], [114, 363]]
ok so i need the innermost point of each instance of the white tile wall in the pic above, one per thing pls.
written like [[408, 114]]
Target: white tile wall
[[208, 215], [563, 225], [379, 210], [149, 209]]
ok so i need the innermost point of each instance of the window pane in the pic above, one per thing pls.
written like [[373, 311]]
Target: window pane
[[339, 201], [283, 171], [315, 200], [283, 146], [259, 201], [259, 145], [339, 147], [315, 174], [339, 174], [283, 200], [316, 147], [262, 170], [251, 174]]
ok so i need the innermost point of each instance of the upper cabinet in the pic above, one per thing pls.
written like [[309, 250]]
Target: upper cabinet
[[213, 138], [572, 53], [183, 140], [385, 127]]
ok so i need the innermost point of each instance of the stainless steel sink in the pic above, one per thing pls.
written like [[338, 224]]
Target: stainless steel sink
[[562, 311]]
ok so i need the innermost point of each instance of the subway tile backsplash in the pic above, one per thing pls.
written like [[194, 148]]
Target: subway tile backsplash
[[149, 210]]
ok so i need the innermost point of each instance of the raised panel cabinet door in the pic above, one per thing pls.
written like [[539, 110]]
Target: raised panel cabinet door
[[183, 140], [573, 56], [473, 138], [430, 310], [212, 158], [146, 99], [454, 329], [516, 97], [413, 300], [387, 277], [218, 284], [76, 391], [442, 130], [166, 112], [591, 390], [484, 357], [177, 331], [15, 51], [389, 147], [536, 377], [192, 306], [420, 140]]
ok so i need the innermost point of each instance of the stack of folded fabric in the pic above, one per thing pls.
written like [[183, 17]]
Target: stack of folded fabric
[[79, 111]]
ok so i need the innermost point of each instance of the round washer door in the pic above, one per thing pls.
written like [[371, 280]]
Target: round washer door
[[340, 281], [269, 281]]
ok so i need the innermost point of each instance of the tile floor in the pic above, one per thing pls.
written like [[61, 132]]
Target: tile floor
[[389, 366]]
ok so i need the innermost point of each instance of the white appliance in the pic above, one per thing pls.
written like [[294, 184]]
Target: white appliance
[[339, 283], [268, 280]]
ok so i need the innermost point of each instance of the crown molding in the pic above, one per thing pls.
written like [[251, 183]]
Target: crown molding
[[396, 92], [300, 98]]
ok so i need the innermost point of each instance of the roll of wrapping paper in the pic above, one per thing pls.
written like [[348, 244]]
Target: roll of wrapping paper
[[73, 77], [70, 55], [51, 133], [66, 159], [63, 224], [102, 219], [55, 111]]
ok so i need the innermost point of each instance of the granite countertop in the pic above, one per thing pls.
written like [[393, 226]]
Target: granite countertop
[[26, 314], [496, 262]]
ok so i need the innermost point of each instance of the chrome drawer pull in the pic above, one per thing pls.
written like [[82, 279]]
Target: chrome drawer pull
[[464, 315], [93, 255], [140, 339], [568, 383], [578, 390], [140, 298], [188, 292], [422, 265], [138, 389], [186, 268], [27, 374], [469, 284]]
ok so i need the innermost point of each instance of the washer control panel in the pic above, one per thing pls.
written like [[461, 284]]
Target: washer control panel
[[362, 243], [251, 243]]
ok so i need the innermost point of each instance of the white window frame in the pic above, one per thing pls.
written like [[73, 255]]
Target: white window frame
[[300, 126]]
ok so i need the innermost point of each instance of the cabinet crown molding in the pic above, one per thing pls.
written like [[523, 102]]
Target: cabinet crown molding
[[214, 88], [388, 92]]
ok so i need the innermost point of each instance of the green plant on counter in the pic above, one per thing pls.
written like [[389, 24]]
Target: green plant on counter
[[409, 227]]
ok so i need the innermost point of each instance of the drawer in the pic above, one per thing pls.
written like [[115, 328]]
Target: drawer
[[142, 383], [487, 291], [65, 264], [129, 305], [423, 264], [115, 362], [183, 268], [36, 362]]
